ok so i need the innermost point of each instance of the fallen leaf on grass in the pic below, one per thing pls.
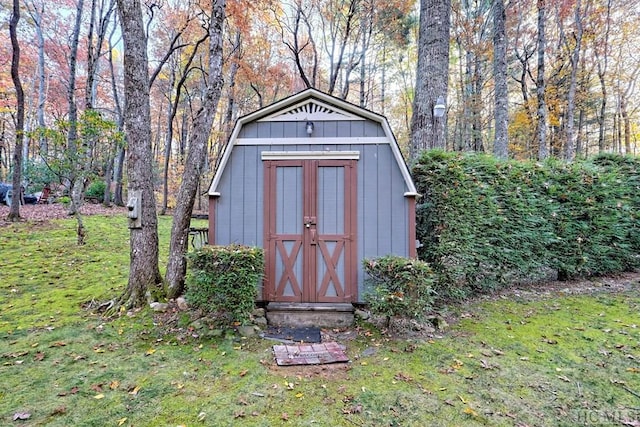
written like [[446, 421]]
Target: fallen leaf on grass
[[39, 356], [122, 421], [402, 377], [96, 387], [631, 423], [486, 365], [114, 384], [150, 352], [135, 390], [99, 396], [284, 416], [15, 355], [239, 414], [563, 378], [457, 364], [356, 409], [21, 416], [74, 390], [470, 411], [61, 410], [243, 372], [634, 370]]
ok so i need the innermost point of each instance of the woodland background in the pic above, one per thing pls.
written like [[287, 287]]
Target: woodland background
[[364, 51]]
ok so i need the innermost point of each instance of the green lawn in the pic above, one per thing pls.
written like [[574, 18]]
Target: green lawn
[[550, 361]]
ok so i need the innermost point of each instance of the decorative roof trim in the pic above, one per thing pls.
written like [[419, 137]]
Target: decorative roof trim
[[310, 110], [312, 141], [320, 97]]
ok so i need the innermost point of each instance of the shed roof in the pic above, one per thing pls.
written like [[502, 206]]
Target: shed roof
[[313, 105]]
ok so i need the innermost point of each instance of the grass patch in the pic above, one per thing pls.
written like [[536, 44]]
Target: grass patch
[[549, 361]]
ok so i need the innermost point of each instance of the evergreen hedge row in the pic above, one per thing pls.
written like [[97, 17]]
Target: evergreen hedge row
[[486, 223]]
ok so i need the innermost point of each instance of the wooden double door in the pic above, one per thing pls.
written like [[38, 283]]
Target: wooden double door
[[310, 212]]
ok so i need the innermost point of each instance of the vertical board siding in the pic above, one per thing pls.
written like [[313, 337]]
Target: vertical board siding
[[328, 129], [382, 216], [382, 213], [331, 200], [289, 200], [239, 207]]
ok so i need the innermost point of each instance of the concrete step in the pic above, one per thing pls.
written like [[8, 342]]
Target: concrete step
[[329, 315]]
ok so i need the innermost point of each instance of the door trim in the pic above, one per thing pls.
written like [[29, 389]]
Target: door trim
[[310, 155], [313, 284]]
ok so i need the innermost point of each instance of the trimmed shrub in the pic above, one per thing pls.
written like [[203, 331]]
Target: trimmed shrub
[[96, 190], [224, 280], [399, 287], [486, 223]]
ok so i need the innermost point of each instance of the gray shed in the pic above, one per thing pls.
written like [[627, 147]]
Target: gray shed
[[320, 184]]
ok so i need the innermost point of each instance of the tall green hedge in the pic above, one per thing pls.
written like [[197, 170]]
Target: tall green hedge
[[486, 223]]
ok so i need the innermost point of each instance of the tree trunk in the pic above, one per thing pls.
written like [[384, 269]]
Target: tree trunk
[[542, 114], [231, 97], [579, 140], [14, 212], [77, 178], [570, 143], [171, 114], [119, 161], [602, 72], [72, 136], [176, 268], [144, 274], [501, 143], [432, 76], [36, 12], [118, 173], [627, 124], [477, 105]]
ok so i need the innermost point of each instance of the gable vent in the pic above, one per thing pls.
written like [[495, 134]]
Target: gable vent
[[310, 111]]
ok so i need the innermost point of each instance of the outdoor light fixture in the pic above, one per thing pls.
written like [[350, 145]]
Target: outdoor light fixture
[[309, 128], [438, 109]]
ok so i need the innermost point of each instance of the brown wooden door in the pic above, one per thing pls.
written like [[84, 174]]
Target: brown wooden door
[[310, 223]]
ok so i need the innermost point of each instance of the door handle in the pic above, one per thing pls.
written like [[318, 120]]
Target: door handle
[[313, 236], [309, 221]]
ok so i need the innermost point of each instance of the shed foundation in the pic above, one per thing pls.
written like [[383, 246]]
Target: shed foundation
[[330, 315]]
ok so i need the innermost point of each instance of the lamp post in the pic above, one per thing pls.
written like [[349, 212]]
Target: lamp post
[[438, 113]]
